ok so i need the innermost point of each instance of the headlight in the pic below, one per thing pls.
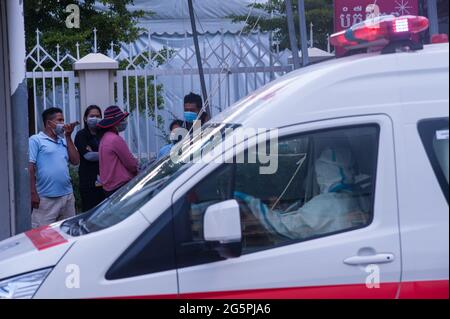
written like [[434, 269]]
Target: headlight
[[24, 286]]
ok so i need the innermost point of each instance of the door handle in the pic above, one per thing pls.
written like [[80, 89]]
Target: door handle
[[373, 259]]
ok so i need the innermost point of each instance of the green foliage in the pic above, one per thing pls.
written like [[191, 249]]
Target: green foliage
[[319, 12], [116, 24]]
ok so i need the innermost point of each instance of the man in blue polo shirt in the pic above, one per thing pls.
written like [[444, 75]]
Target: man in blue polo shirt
[[51, 151]]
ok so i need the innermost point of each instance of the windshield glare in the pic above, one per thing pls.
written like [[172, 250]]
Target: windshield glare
[[146, 185]]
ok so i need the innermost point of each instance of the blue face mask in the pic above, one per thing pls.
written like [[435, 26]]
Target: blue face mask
[[190, 117]]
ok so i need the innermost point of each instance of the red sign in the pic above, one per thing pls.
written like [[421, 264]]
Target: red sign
[[45, 237], [350, 12]]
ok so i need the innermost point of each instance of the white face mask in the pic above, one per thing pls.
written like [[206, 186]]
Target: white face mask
[[178, 134], [92, 122]]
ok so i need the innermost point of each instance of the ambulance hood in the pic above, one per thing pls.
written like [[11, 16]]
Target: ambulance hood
[[33, 250]]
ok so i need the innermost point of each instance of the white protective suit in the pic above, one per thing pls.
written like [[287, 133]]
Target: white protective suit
[[336, 208]]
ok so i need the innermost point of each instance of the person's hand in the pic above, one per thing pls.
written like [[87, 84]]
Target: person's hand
[[69, 128], [35, 201]]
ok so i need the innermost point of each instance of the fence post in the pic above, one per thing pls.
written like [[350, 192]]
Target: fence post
[[96, 74]]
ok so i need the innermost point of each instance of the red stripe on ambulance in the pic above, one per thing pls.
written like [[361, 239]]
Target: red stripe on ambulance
[[438, 289]]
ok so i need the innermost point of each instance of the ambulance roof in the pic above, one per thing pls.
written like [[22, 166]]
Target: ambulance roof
[[344, 87]]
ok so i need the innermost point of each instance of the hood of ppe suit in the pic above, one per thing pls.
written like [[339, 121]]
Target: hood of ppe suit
[[335, 170]]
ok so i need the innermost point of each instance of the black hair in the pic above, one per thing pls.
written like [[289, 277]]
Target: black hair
[[194, 99], [88, 110], [50, 113], [176, 122]]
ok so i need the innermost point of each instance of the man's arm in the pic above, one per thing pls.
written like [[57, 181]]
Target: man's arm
[[35, 200], [74, 156]]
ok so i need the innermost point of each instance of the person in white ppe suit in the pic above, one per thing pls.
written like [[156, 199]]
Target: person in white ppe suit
[[336, 208]]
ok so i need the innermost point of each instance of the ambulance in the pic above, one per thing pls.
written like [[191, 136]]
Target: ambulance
[[335, 185]]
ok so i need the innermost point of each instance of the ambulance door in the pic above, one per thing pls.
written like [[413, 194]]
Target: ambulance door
[[323, 224]]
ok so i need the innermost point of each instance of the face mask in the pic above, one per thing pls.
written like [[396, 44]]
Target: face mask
[[177, 135], [190, 117], [122, 127], [92, 122], [173, 138], [59, 129]]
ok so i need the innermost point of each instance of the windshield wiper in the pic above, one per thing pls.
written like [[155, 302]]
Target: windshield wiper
[[78, 228], [83, 226]]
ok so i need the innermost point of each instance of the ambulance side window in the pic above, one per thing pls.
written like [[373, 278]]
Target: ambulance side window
[[435, 138], [324, 185], [189, 211]]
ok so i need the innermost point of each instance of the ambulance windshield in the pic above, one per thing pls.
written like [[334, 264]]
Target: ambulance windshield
[[130, 198]]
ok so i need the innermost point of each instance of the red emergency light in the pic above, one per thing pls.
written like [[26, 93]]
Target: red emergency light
[[380, 31]]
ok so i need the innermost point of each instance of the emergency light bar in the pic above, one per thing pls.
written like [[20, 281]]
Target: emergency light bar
[[380, 31]]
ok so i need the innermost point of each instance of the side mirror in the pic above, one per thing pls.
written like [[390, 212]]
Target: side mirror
[[222, 227]]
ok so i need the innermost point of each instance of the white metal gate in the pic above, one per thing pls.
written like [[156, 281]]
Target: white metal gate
[[155, 80], [52, 84]]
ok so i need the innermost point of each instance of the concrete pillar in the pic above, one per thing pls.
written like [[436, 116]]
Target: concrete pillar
[[15, 215], [5, 141], [21, 197], [96, 74]]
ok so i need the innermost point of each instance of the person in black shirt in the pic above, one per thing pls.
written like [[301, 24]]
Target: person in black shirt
[[87, 143]]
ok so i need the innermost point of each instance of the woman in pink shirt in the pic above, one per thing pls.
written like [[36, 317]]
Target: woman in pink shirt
[[117, 165]]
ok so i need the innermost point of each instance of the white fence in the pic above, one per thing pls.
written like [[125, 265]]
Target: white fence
[[155, 74], [52, 85]]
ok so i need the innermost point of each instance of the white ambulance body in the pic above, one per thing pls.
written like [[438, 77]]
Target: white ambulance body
[[225, 230]]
